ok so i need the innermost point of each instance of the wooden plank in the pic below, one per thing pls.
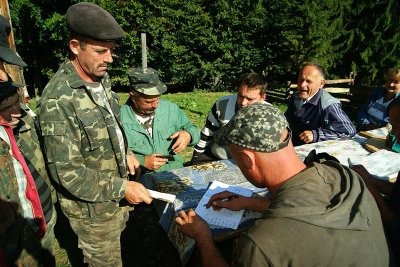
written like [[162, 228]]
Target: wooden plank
[[343, 100], [350, 81], [14, 71], [337, 90]]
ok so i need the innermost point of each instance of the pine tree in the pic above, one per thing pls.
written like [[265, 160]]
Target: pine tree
[[374, 39]]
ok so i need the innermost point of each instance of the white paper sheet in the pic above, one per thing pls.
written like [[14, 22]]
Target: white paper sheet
[[223, 218], [162, 196]]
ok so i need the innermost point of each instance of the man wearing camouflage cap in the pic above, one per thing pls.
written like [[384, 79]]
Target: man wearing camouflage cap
[[27, 214], [84, 141], [156, 129], [317, 215]]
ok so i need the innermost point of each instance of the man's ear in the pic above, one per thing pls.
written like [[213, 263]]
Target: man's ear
[[74, 46], [263, 96], [322, 83], [248, 159]]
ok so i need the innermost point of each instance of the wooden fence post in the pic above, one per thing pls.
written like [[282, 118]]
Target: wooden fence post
[[14, 71]]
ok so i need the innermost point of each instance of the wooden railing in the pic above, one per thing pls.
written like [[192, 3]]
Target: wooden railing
[[352, 96], [339, 88]]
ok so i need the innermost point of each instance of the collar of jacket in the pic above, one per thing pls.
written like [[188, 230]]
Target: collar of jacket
[[314, 100]]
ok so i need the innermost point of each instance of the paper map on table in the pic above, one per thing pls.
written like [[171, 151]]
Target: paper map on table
[[223, 218], [376, 133], [383, 164]]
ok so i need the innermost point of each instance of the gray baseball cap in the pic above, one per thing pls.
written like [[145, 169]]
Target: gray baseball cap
[[258, 127], [146, 81]]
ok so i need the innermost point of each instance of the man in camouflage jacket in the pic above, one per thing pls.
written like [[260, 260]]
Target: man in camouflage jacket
[[27, 214], [14, 231], [19, 242], [83, 138]]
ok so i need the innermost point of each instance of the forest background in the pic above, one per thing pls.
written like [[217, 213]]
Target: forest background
[[203, 44]]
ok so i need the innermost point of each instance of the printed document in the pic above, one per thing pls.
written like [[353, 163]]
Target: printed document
[[223, 218]]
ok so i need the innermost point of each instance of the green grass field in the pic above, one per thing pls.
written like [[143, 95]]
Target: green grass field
[[196, 106]]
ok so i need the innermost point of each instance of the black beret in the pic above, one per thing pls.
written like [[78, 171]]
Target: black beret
[[90, 20]]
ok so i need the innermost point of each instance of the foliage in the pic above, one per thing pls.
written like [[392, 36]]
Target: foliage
[[374, 39], [203, 44]]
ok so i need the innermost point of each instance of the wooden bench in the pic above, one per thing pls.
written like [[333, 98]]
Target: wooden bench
[[352, 96]]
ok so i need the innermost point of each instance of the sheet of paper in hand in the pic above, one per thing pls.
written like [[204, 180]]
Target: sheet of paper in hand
[[223, 218], [162, 196]]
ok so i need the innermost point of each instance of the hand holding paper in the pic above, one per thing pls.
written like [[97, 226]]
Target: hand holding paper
[[162, 196], [224, 217], [226, 199]]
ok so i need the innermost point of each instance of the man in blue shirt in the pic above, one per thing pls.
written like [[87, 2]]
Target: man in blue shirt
[[313, 114]]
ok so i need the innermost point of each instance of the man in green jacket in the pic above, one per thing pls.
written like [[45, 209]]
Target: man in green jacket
[[156, 129]]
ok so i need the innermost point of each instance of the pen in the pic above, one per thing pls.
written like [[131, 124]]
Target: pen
[[226, 198], [229, 198], [349, 162]]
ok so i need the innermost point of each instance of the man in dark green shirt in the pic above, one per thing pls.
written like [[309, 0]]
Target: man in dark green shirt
[[320, 215]]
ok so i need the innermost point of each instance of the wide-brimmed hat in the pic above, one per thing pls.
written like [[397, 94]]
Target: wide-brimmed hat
[[146, 81], [6, 53]]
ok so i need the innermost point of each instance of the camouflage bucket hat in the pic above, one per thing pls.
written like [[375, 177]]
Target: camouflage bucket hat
[[257, 127], [146, 81]]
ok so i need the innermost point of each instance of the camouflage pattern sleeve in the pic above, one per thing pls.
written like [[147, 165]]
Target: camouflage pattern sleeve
[[80, 156]]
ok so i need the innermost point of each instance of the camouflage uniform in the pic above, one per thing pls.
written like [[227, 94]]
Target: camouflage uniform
[[28, 143], [86, 162], [18, 242]]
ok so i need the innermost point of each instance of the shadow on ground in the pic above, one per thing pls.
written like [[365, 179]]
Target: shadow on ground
[[144, 242]]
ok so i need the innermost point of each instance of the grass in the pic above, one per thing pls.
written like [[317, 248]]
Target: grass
[[196, 106]]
